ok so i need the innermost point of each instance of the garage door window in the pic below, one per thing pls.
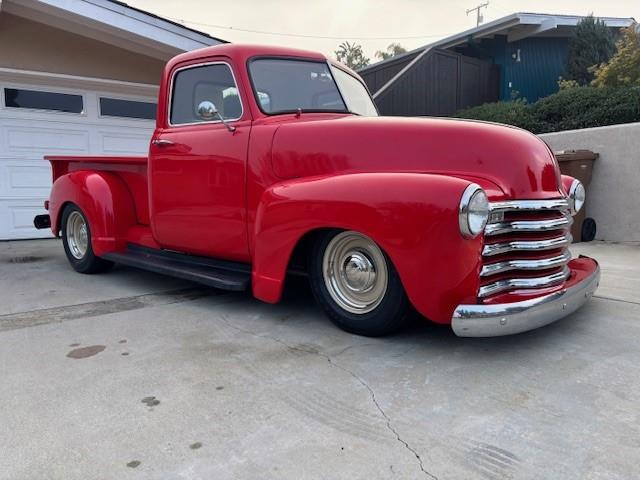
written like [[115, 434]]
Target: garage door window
[[40, 100], [114, 107]]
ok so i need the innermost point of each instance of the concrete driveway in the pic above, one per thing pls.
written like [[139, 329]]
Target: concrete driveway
[[134, 375]]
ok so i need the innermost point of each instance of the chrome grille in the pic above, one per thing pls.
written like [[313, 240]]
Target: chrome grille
[[526, 247], [564, 221]]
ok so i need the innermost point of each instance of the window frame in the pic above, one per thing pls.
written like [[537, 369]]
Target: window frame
[[101, 95], [254, 90], [42, 89], [197, 65]]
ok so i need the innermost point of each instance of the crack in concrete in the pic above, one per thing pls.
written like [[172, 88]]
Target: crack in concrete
[[384, 414], [616, 299], [359, 379], [349, 347]]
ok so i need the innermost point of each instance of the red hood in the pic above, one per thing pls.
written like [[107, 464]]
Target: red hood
[[516, 161]]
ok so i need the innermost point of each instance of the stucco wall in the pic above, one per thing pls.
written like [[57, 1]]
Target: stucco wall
[[613, 198], [27, 45]]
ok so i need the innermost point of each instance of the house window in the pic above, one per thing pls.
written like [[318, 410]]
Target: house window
[[114, 107], [40, 100], [213, 83]]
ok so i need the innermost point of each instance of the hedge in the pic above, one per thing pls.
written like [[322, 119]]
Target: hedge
[[569, 109]]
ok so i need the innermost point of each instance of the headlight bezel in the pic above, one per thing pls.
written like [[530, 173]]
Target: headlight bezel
[[576, 192], [471, 194]]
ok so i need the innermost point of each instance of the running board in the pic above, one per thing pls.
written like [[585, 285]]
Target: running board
[[220, 274]]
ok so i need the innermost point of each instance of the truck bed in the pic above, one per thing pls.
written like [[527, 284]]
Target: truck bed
[[62, 164], [132, 170]]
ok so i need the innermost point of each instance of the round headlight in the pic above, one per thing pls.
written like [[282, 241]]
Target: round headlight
[[474, 211], [577, 196]]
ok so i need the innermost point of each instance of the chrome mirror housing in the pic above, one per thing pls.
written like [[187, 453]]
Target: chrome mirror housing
[[207, 110]]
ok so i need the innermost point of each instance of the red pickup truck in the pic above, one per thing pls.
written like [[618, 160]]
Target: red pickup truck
[[266, 160]]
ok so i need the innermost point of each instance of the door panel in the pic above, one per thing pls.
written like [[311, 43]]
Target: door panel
[[197, 175], [197, 190]]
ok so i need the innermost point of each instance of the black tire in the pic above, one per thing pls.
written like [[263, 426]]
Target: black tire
[[388, 316], [588, 232], [88, 262]]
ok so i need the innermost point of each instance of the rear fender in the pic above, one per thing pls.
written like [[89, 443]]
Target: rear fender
[[413, 217], [105, 201]]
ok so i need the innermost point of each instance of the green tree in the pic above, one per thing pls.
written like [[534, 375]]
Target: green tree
[[393, 49], [591, 44], [623, 69], [351, 55]]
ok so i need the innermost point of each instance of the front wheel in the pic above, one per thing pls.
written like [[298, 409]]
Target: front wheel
[[76, 238], [356, 284]]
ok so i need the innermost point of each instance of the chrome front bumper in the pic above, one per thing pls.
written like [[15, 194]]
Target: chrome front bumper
[[509, 318]]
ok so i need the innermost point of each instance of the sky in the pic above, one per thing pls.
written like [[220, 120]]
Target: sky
[[374, 24]]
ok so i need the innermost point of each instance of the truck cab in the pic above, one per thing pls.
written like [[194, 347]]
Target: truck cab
[[266, 159]]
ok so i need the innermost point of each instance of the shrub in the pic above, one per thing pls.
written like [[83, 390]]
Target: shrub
[[516, 113], [565, 84], [569, 109]]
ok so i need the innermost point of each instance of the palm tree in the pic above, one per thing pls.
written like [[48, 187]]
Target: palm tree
[[393, 49], [351, 55]]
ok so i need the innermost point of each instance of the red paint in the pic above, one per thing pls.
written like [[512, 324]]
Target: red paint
[[197, 190], [566, 183], [251, 195], [411, 216], [106, 201]]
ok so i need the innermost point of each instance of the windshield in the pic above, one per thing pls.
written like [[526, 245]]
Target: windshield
[[286, 85]]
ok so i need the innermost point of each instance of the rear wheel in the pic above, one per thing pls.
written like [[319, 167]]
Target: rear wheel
[[356, 284], [76, 238]]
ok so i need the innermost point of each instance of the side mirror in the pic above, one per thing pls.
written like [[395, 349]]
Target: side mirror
[[207, 110]]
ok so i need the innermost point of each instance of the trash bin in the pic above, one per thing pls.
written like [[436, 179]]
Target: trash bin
[[579, 164]]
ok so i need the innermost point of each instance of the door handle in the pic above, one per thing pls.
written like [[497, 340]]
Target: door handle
[[158, 142]]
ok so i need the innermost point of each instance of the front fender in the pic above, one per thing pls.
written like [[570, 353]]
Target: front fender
[[412, 216], [105, 201]]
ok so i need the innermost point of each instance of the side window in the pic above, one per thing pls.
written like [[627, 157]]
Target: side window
[[41, 100], [212, 83], [115, 107]]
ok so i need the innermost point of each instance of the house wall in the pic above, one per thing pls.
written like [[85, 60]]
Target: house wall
[[27, 45], [613, 195], [376, 76], [542, 61], [439, 84], [532, 74]]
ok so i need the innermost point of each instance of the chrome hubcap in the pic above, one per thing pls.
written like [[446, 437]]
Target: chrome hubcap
[[355, 272], [77, 235], [359, 274]]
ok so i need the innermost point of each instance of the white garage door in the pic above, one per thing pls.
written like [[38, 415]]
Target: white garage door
[[37, 119]]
